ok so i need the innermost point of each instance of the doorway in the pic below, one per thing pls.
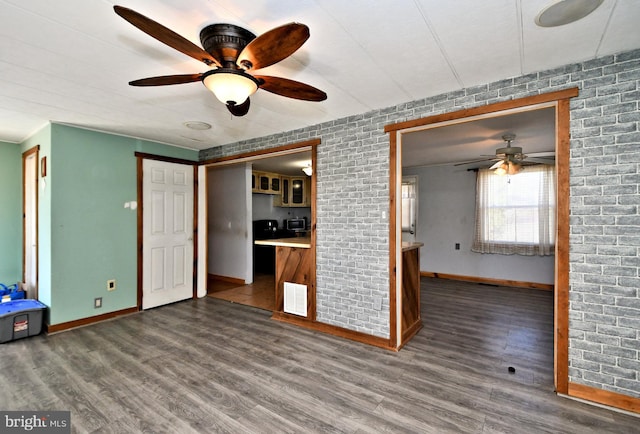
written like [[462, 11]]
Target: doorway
[[30, 220], [246, 196], [560, 102]]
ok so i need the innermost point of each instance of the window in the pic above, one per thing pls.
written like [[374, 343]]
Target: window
[[516, 214]]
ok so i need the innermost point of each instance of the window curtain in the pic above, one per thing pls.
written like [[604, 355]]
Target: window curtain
[[515, 214]]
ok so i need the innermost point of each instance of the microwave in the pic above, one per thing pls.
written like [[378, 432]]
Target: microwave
[[296, 225]]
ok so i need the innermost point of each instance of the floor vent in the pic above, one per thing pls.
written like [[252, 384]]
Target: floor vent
[[295, 298]]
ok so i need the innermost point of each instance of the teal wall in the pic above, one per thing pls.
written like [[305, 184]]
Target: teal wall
[[10, 213], [93, 237], [85, 235]]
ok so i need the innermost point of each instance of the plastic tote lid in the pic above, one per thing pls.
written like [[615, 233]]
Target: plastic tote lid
[[20, 305]]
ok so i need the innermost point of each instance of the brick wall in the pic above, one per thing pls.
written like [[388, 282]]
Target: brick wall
[[353, 194]]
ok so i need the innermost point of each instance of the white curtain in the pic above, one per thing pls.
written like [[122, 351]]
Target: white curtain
[[515, 214]]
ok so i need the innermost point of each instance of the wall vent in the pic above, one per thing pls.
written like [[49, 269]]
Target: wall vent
[[295, 298]]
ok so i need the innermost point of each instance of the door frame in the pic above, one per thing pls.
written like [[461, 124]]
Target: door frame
[[560, 100], [140, 157], [35, 150], [292, 148]]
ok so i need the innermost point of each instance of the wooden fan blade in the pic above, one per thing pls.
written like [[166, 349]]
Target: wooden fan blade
[[273, 46], [166, 36], [290, 88], [166, 80]]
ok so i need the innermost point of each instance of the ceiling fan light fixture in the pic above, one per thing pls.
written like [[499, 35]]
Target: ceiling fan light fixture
[[514, 168], [229, 85], [308, 170], [502, 169]]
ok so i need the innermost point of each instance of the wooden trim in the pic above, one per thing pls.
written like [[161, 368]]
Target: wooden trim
[[559, 99], [393, 270], [483, 110], [488, 280], [263, 152], [561, 296], [165, 159], [194, 236], [232, 280], [312, 273], [604, 397], [140, 238], [35, 150], [409, 333], [333, 330], [90, 320]]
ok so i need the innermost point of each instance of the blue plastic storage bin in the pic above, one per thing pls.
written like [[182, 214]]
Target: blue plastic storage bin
[[8, 293], [20, 319]]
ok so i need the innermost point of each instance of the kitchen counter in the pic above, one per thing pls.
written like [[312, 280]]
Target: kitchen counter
[[407, 245], [298, 242]]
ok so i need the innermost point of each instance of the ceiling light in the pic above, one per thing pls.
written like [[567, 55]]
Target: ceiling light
[[508, 168], [230, 86], [502, 169], [308, 170], [197, 125], [566, 11]]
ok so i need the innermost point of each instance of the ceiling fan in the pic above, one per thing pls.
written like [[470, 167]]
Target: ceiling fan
[[231, 52], [510, 159]]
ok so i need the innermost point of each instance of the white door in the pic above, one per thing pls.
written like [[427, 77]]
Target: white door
[[30, 224], [167, 228]]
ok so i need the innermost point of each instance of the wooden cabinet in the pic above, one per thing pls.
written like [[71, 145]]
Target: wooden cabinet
[[266, 183], [296, 192], [287, 191]]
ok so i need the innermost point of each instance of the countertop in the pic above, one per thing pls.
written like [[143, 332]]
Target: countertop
[[406, 245], [299, 242]]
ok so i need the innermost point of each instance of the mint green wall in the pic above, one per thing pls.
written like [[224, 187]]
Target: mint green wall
[[93, 236], [10, 213], [85, 235]]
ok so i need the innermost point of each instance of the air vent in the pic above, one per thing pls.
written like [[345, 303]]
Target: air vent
[[295, 298]]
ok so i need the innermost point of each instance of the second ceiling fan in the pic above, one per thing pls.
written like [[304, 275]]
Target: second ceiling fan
[[231, 51], [509, 160]]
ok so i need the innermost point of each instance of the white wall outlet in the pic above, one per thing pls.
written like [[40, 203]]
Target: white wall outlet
[[111, 285], [97, 303]]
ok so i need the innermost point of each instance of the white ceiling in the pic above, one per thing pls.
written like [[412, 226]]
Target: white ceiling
[[70, 61]]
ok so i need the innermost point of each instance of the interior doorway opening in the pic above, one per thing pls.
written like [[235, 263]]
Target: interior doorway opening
[[560, 103], [250, 198], [30, 163]]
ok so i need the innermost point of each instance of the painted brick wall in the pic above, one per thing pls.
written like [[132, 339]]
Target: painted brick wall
[[353, 194], [605, 225]]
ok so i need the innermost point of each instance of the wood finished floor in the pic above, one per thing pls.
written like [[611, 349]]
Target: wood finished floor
[[261, 293], [213, 366]]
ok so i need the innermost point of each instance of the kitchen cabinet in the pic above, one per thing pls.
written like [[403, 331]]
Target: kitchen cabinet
[[296, 192], [266, 183]]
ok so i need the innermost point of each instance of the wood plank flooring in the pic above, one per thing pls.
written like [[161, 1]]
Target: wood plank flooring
[[261, 293], [208, 365]]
